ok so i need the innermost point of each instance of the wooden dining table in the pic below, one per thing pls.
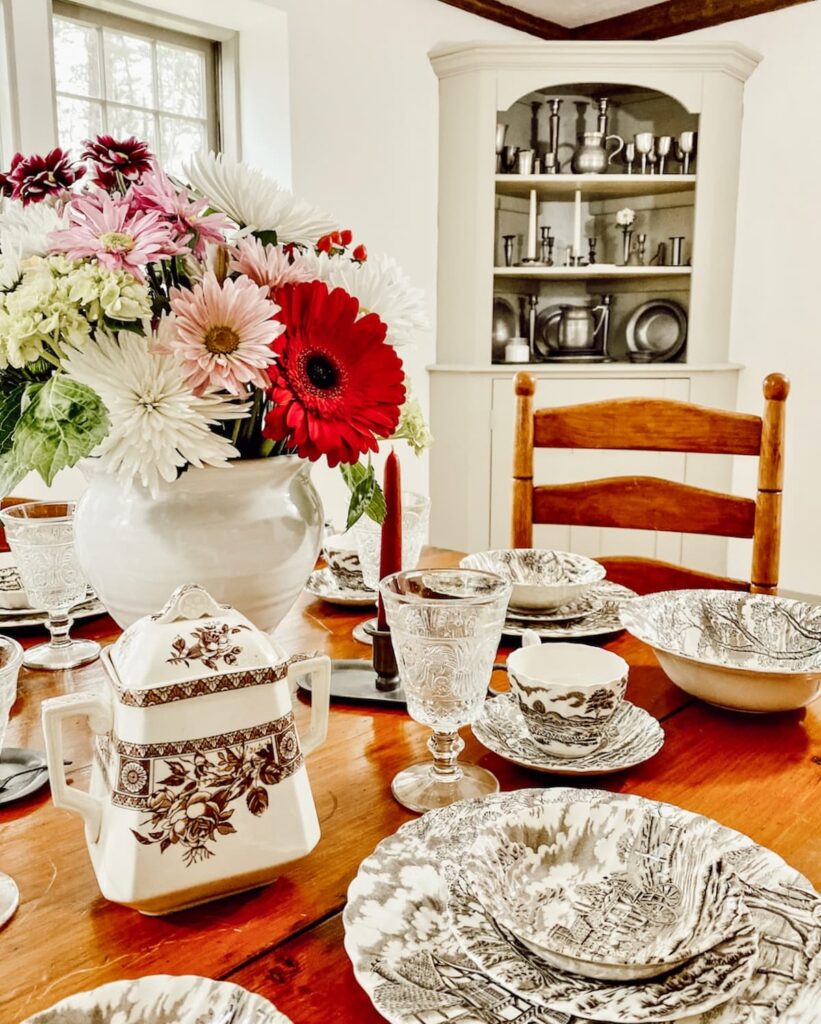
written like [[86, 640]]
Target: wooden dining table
[[759, 774]]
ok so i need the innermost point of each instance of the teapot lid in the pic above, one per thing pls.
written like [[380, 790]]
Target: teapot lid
[[194, 638]]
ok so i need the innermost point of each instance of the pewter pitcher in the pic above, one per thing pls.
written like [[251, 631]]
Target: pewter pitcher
[[592, 156]]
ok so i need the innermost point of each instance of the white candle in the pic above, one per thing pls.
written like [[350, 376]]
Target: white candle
[[577, 224], [531, 226]]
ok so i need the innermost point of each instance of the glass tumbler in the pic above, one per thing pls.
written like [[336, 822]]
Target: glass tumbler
[[11, 658], [41, 537], [445, 625], [415, 518]]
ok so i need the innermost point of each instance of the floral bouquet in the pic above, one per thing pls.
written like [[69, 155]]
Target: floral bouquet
[[159, 324]]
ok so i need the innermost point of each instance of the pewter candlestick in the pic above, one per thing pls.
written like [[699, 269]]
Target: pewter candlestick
[[554, 129], [546, 246], [508, 240]]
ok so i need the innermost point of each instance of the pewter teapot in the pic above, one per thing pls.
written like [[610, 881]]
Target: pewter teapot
[[592, 156], [199, 787]]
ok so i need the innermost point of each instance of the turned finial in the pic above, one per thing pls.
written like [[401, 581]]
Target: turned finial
[[776, 387], [525, 384]]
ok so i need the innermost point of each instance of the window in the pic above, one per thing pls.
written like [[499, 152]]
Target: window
[[125, 77]]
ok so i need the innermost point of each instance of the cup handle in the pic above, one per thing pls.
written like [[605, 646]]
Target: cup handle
[[55, 710], [320, 668], [612, 156], [530, 638]]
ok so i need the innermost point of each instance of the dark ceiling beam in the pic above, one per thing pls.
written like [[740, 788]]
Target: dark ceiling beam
[[513, 18], [675, 17]]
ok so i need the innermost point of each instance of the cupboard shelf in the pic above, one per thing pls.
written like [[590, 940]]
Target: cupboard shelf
[[593, 186], [589, 273]]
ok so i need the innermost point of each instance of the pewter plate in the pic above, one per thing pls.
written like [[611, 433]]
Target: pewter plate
[[163, 999], [604, 620], [633, 736], [619, 896], [323, 584], [658, 328], [406, 957]]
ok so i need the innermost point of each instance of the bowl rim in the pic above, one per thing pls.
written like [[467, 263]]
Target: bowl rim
[[629, 609], [596, 571]]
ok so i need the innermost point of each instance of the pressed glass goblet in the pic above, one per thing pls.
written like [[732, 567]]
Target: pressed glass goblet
[[415, 518], [11, 658], [445, 625], [41, 538]]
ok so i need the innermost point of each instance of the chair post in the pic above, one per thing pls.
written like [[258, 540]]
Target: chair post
[[521, 533], [767, 536]]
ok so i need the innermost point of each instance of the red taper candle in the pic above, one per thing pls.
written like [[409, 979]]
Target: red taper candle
[[390, 559]]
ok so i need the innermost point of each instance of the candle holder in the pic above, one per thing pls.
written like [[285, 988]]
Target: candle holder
[[384, 659], [642, 240], [626, 244], [508, 241], [591, 250]]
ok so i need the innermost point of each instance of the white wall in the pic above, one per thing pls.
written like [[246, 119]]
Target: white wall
[[364, 129], [776, 322]]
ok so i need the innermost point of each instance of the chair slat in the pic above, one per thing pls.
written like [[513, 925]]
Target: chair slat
[[648, 424], [648, 575], [644, 502]]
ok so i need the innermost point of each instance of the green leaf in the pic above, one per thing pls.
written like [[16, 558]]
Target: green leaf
[[11, 401], [377, 509], [361, 496], [11, 473], [352, 473], [62, 422]]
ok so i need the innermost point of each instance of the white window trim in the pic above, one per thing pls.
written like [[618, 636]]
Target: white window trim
[[28, 114]]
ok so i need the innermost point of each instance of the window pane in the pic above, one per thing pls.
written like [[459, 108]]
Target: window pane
[[124, 121], [180, 139], [77, 120], [129, 72], [181, 76], [76, 58]]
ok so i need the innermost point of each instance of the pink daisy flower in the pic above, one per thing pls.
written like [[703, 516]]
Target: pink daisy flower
[[223, 333], [108, 228], [188, 218], [268, 265]]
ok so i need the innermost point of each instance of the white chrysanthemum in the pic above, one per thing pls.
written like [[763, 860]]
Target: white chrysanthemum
[[11, 267], [625, 217], [382, 287], [254, 200], [27, 228], [157, 424]]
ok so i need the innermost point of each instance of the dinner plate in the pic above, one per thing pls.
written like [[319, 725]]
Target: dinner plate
[[546, 336], [323, 584], [603, 620], [633, 736], [405, 955], [163, 999], [504, 326], [658, 328], [19, 759], [20, 617]]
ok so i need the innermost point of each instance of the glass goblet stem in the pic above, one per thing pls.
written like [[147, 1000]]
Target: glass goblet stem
[[59, 625], [446, 748]]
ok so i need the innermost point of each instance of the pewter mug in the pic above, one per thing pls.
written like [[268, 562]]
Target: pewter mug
[[592, 156]]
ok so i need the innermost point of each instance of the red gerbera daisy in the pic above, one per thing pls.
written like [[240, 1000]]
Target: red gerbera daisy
[[131, 157], [336, 384], [35, 177]]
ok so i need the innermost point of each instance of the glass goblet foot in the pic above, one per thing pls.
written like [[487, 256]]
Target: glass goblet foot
[[429, 785], [9, 897], [61, 651]]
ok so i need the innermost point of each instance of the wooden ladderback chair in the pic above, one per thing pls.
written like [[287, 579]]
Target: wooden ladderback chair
[[648, 502]]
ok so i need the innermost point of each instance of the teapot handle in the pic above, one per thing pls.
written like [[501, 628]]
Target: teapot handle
[[618, 149], [100, 718], [320, 668]]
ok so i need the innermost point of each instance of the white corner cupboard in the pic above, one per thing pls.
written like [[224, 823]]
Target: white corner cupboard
[[662, 88]]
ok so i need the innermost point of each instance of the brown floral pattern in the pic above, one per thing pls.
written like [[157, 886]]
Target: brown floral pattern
[[210, 643], [191, 806]]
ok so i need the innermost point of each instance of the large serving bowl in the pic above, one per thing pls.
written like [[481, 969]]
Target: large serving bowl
[[618, 894], [747, 652], [163, 999], [542, 579]]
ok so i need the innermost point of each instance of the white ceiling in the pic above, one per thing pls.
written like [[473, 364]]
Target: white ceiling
[[579, 12]]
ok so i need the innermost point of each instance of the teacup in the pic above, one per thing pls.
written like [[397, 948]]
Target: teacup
[[567, 693], [341, 554]]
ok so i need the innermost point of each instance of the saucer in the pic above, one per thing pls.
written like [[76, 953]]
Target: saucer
[[18, 759], [632, 737], [603, 620], [324, 585], [17, 618]]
